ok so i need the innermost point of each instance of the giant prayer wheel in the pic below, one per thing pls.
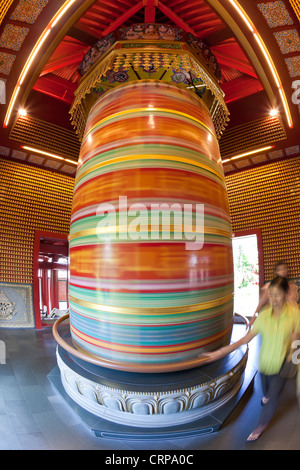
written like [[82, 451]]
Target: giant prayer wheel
[[151, 269]]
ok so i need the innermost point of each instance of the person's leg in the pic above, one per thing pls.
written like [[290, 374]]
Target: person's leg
[[265, 382], [265, 385], [274, 391]]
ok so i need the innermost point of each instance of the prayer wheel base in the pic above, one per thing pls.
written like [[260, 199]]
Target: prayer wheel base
[[116, 404]]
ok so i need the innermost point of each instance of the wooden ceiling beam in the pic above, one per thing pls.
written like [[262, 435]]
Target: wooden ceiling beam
[[126, 3], [202, 33], [56, 87], [175, 18], [94, 32], [119, 7], [240, 88], [189, 16], [193, 6], [82, 36], [150, 8], [63, 61], [218, 36], [122, 18], [104, 9], [97, 15], [235, 63], [174, 3], [94, 22], [213, 23]]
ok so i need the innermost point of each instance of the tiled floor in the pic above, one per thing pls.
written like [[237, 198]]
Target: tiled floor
[[34, 416]]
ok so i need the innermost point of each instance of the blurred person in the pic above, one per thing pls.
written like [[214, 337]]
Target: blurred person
[[281, 269], [278, 326]]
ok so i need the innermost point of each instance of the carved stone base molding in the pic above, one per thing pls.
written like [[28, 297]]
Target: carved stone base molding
[[152, 400]]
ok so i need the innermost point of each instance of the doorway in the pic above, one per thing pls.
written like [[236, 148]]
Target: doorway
[[248, 271], [50, 275]]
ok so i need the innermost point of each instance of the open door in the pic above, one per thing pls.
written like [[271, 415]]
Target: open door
[[50, 274], [248, 271]]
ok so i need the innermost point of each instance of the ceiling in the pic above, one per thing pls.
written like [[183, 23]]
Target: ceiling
[[250, 90]]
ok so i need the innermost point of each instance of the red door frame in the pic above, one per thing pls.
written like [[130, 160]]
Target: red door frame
[[256, 232], [35, 272]]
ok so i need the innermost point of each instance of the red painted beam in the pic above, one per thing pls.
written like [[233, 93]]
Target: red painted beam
[[88, 30], [203, 32], [240, 88], [206, 23], [177, 2], [127, 3], [64, 61], [119, 7], [175, 18], [108, 11], [56, 87], [95, 22], [234, 62], [190, 7], [216, 37], [124, 17], [150, 7], [98, 15]]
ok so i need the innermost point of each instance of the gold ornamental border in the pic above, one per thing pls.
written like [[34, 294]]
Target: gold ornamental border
[[165, 58]]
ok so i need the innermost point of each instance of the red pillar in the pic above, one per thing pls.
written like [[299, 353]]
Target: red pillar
[[54, 289], [45, 287]]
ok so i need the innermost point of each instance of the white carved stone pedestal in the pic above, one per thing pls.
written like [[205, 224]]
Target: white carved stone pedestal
[[138, 405]]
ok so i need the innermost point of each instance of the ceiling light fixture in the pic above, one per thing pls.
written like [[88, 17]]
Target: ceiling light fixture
[[268, 58], [59, 14], [42, 152], [71, 161], [22, 112], [11, 105], [251, 152], [48, 154]]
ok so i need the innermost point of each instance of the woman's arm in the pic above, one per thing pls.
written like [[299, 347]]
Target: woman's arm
[[215, 355], [264, 299]]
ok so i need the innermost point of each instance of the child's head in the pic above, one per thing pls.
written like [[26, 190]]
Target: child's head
[[281, 269]]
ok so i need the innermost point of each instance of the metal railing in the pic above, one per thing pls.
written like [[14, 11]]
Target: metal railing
[[129, 367]]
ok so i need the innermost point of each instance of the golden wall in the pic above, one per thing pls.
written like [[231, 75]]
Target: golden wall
[[30, 199], [266, 197]]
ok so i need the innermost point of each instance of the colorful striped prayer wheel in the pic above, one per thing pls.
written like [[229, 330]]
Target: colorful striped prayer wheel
[[150, 283]]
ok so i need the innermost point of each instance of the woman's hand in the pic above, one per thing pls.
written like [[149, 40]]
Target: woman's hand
[[213, 355], [252, 320]]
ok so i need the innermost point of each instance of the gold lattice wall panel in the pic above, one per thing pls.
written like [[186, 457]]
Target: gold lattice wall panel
[[250, 136], [31, 199], [268, 198], [46, 136]]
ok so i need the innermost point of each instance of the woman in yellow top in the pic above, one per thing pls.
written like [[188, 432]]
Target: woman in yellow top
[[281, 269], [279, 326]]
